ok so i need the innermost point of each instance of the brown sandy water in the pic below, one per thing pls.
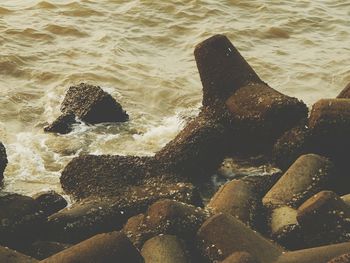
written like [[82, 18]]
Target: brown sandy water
[[141, 52]]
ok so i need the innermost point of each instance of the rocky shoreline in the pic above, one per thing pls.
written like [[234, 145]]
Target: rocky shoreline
[[149, 209]]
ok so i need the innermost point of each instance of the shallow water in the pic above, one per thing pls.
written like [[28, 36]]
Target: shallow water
[[141, 52]]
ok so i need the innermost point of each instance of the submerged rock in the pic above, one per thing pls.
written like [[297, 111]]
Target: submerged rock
[[63, 124], [3, 161], [92, 105]]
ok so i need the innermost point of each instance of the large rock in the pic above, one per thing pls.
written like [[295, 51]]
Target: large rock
[[221, 235], [165, 249], [325, 219], [21, 220], [109, 247], [238, 199], [222, 69], [345, 93], [92, 105], [95, 214], [308, 175], [166, 217], [50, 202], [313, 255], [260, 115], [3, 161], [63, 124], [197, 150], [11, 256]]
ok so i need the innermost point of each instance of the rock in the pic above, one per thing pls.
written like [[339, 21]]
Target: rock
[[63, 124], [222, 69], [92, 105], [102, 214], [345, 93], [196, 151], [20, 220], [325, 219], [221, 235], [3, 161], [11, 256], [313, 255], [260, 114], [165, 249], [292, 144], [309, 174], [166, 217], [44, 249], [329, 122], [346, 199], [237, 199], [108, 247], [345, 258], [285, 229], [240, 257], [50, 202]]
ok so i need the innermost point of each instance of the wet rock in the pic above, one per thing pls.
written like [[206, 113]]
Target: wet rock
[[345, 258], [50, 202], [44, 249], [21, 220], [11, 256], [260, 115], [196, 151], [240, 257], [165, 249], [292, 144], [325, 219], [237, 199], [345, 93], [108, 247], [308, 175], [285, 229], [166, 217], [63, 124], [92, 105], [329, 122], [102, 214], [313, 255], [222, 69], [3, 161], [221, 235]]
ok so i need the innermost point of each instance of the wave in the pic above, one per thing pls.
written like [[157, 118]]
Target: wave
[[65, 30], [5, 11]]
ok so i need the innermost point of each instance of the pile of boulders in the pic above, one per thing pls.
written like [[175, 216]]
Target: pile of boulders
[[149, 209]]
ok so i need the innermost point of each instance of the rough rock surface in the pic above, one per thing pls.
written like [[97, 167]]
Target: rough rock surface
[[21, 220], [63, 124], [50, 202], [92, 105], [3, 161]]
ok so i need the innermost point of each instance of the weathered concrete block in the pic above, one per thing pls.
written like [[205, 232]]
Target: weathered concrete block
[[50, 202], [240, 257], [3, 161], [165, 249], [108, 247], [313, 255], [222, 69], [221, 235], [92, 105], [345, 93], [21, 220], [236, 198], [63, 124], [308, 175], [324, 219], [11, 256]]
